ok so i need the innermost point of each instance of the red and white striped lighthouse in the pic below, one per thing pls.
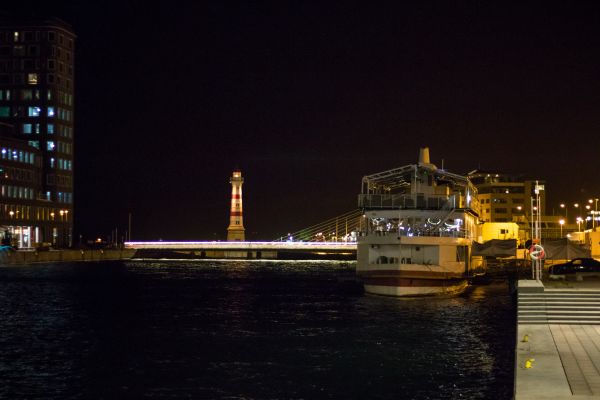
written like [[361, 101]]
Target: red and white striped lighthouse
[[236, 231]]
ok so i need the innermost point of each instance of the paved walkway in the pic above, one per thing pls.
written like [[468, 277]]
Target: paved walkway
[[566, 357], [579, 350], [546, 378]]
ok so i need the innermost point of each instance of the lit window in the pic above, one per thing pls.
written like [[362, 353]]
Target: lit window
[[50, 129], [49, 94], [33, 111], [50, 111], [50, 145], [32, 78], [4, 94], [16, 36], [26, 94], [34, 143], [27, 129], [52, 162], [4, 111]]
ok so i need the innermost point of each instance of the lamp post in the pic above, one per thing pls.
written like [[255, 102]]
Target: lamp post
[[594, 213], [561, 222], [579, 221], [564, 207]]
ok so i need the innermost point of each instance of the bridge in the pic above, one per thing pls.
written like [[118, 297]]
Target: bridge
[[245, 250], [333, 239]]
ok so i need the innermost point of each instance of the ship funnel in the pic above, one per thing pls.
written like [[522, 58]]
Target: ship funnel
[[424, 158], [424, 155]]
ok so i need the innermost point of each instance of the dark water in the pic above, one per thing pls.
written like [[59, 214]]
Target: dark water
[[243, 330]]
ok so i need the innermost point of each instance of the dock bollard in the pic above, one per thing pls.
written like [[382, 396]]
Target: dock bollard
[[529, 363], [525, 339]]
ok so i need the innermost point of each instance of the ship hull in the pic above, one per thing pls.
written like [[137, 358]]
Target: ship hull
[[412, 283]]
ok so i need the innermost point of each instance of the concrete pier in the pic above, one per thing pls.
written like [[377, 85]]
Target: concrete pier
[[31, 257], [558, 341]]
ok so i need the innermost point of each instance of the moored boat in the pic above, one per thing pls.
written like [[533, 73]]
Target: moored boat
[[418, 226]]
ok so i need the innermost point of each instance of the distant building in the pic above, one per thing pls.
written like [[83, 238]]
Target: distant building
[[504, 197], [507, 198], [36, 138]]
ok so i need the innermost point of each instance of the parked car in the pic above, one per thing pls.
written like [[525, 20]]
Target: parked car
[[574, 266]]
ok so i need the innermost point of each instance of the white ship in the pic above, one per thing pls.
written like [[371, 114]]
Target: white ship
[[419, 224]]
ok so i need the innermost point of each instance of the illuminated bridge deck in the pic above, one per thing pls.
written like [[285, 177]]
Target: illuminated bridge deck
[[246, 250]]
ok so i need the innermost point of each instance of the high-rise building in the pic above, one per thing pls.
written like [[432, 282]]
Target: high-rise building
[[236, 231], [36, 142]]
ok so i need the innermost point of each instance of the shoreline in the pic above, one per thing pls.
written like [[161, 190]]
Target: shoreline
[[25, 257]]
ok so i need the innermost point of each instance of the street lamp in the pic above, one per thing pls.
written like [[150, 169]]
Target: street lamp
[[561, 222], [579, 221], [564, 207]]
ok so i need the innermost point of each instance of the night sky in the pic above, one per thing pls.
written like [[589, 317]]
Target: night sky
[[307, 98]]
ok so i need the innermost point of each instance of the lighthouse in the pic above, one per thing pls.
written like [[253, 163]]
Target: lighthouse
[[235, 231]]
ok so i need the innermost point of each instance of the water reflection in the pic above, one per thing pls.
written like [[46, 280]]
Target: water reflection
[[243, 330]]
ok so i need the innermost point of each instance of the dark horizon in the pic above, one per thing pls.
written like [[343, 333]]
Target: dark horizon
[[308, 98]]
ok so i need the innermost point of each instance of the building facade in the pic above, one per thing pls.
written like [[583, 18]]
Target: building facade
[[507, 198], [36, 139]]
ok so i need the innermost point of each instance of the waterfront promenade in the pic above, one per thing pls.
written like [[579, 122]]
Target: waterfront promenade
[[558, 340]]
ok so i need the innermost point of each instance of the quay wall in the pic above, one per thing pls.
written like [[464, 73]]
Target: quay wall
[[31, 257]]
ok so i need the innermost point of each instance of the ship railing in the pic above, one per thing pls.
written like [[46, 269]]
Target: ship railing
[[404, 201], [461, 233]]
